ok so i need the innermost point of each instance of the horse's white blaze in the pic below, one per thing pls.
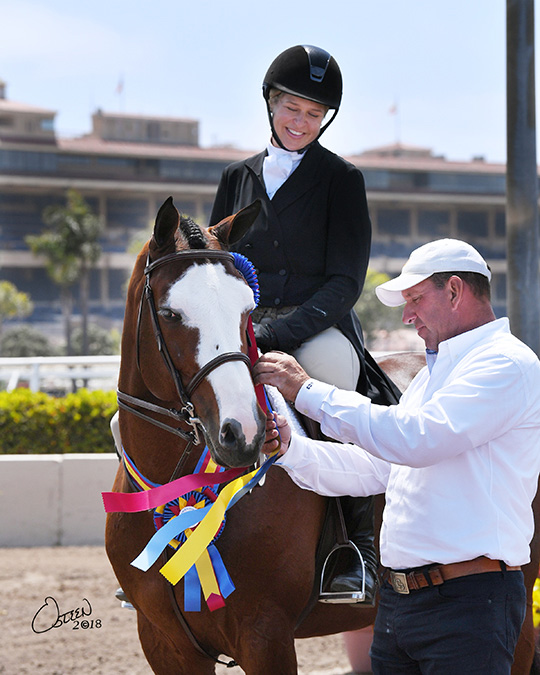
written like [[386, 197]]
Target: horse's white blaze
[[212, 301]]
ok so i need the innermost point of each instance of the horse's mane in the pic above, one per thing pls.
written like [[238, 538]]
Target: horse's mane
[[192, 233]]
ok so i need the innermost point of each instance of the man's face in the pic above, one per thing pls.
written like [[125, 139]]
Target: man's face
[[431, 311]]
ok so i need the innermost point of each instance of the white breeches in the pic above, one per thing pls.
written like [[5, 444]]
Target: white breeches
[[331, 358]]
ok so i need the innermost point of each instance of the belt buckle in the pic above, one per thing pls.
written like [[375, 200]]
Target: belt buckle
[[399, 582]]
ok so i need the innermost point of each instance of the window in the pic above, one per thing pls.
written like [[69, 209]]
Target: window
[[500, 224], [394, 221], [408, 180], [38, 162], [434, 223], [131, 213], [186, 208], [498, 287], [189, 170], [153, 131], [47, 125], [376, 180], [467, 182], [472, 224]]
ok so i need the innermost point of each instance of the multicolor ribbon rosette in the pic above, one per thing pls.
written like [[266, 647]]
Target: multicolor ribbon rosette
[[190, 521]]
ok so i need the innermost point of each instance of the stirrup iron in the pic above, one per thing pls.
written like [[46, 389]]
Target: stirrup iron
[[338, 597]]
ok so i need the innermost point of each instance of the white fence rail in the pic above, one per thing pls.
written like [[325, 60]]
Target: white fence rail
[[62, 372], [56, 373]]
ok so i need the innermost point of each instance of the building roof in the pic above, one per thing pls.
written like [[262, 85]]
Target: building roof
[[136, 116], [415, 158], [94, 145], [15, 107]]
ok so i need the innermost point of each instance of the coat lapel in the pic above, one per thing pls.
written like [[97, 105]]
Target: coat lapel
[[255, 164], [303, 179]]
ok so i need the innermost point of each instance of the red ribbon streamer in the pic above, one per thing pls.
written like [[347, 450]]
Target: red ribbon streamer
[[253, 354]]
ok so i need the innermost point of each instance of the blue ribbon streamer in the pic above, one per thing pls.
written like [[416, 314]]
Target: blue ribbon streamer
[[165, 534], [225, 582], [253, 482], [192, 591]]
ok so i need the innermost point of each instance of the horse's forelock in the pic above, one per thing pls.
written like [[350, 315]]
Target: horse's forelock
[[192, 233]]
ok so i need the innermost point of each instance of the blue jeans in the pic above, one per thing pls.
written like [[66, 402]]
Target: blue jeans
[[465, 626]]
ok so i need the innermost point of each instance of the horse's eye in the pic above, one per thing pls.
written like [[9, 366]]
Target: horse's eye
[[169, 315]]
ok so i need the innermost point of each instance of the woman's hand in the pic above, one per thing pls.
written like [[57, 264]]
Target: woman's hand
[[265, 336], [278, 434]]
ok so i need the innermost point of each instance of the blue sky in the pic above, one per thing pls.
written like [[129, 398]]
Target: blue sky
[[442, 63]]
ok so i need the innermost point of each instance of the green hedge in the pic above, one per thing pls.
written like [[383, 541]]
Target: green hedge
[[36, 423]]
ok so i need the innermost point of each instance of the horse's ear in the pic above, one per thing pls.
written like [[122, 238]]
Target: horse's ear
[[166, 225], [233, 228]]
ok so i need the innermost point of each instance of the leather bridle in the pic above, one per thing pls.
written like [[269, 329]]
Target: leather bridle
[[186, 414]]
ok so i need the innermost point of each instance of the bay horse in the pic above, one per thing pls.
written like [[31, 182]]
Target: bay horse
[[184, 343]]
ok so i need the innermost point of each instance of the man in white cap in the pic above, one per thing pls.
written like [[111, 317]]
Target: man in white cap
[[458, 459]]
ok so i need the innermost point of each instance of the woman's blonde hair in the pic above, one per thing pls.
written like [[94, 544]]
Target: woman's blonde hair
[[273, 97], [275, 94]]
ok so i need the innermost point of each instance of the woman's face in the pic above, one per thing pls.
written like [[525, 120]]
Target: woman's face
[[297, 121]]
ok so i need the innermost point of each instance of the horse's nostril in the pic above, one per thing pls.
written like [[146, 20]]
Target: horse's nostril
[[231, 433], [227, 434]]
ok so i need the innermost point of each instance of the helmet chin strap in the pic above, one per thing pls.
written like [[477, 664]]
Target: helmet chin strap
[[278, 139]]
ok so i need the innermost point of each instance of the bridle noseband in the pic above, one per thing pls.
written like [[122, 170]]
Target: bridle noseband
[[186, 414]]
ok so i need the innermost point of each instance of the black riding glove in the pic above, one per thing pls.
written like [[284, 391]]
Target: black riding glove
[[265, 337]]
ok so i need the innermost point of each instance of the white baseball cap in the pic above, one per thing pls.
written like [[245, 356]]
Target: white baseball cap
[[442, 255]]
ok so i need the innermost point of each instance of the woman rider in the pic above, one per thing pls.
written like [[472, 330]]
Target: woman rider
[[310, 246]]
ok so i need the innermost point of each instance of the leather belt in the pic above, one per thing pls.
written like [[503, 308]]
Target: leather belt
[[435, 575]]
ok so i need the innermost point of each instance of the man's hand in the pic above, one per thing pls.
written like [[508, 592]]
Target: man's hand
[[282, 371], [278, 434]]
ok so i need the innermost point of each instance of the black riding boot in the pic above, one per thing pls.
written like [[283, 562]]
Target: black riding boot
[[359, 518]]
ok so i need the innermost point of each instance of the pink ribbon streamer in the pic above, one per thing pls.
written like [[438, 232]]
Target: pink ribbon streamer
[[131, 502]]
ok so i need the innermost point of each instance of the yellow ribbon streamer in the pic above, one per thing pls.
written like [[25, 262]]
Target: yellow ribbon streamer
[[207, 577], [136, 477], [175, 568]]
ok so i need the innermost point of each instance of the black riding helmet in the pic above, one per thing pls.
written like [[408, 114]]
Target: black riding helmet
[[305, 71]]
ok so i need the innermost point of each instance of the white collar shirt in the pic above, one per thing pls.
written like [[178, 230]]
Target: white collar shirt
[[277, 167], [458, 457]]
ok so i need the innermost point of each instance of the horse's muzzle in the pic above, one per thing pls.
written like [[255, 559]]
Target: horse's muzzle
[[232, 449]]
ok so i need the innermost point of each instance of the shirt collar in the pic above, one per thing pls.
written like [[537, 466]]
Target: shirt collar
[[294, 157], [456, 347]]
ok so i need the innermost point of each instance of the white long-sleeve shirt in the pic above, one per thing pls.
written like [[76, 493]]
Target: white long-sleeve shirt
[[458, 457]]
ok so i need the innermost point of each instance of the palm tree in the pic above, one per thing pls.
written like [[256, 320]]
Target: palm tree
[[13, 302], [70, 242]]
